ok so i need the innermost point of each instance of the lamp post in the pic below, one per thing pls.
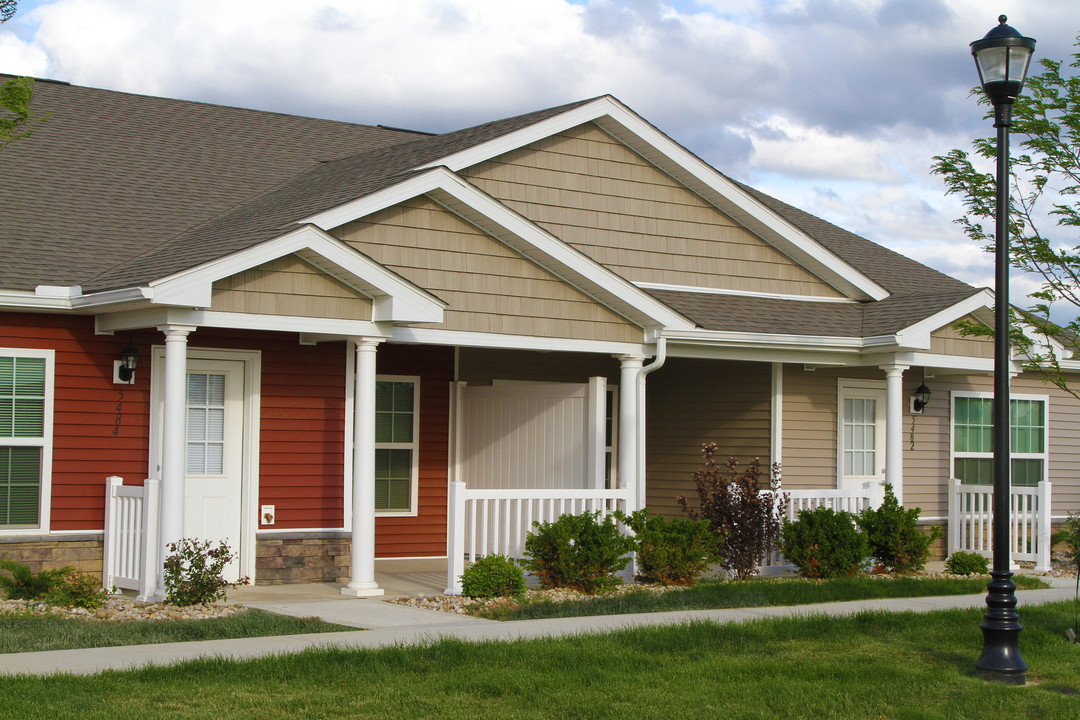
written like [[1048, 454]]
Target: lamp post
[[1002, 58]]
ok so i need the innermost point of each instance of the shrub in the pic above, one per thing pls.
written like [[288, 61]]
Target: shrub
[[824, 544], [192, 573], [892, 532], [967, 563], [63, 586], [1069, 534], [492, 576], [745, 515], [577, 551], [22, 584], [674, 553]]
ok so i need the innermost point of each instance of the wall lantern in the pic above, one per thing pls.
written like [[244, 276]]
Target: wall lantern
[[124, 368], [920, 399]]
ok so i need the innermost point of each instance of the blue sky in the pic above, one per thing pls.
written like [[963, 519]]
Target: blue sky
[[836, 106]]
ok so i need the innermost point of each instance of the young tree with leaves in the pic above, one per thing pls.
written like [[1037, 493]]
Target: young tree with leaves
[[15, 96], [1044, 215]]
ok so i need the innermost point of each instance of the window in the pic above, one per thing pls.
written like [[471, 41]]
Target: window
[[26, 378], [973, 439], [397, 415], [205, 424]]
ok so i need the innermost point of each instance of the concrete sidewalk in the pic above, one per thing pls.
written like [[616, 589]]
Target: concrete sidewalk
[[389, 624]]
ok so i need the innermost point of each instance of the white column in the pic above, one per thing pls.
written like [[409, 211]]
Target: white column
[[363, 582], [776, 434], [894, 430], [595, 429], [173, 441], [629, 372]]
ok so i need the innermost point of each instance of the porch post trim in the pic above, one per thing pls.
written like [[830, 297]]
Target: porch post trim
[[173, 439], [363, 582], [776, 435], [629, 372], [894, 432]]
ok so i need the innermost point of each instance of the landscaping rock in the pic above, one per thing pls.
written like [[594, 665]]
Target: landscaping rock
[[118, 608]]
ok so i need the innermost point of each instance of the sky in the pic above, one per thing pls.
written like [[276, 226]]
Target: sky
[[834, 106]]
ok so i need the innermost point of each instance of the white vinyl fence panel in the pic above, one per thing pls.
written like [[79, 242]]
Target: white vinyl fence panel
[[971, 522], [130, 545]]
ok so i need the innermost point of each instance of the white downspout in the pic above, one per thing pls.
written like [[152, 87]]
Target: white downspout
[[661, 358]]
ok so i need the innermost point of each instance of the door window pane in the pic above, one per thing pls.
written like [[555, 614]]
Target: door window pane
[[859, 436], [206, 424]]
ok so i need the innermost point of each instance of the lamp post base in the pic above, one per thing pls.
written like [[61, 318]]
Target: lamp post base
[[1000, 660]]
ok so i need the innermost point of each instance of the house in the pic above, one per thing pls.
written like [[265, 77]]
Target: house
[[342, 330]]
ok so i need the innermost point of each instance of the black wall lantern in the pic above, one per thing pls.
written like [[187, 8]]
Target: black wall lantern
[[129, 360], [920, 399]]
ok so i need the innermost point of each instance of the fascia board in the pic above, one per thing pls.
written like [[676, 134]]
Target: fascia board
[[457, 338], [918, 334], [816, 343], [23, 300], [193, 287], [522, 234], [631, 129]]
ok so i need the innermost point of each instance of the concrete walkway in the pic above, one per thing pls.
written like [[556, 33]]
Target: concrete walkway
[[388, 624]]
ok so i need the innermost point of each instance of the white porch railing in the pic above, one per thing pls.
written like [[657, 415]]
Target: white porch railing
[[852, 501], [487, 521], [971, 522], [131, 514]]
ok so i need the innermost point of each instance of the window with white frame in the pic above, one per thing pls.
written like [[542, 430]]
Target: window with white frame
[[973, 438], [397, 430], [25, 437]]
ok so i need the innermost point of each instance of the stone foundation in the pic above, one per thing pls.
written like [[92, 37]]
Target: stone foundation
[[46, 552], [303, 557]]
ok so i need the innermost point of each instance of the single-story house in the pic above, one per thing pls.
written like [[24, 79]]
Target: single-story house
[[346, 334]]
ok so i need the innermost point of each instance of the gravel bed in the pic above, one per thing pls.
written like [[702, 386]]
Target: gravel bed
[[117, 608]]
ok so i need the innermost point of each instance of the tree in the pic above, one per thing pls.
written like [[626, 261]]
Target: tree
[[15, 96], [1044, 215]]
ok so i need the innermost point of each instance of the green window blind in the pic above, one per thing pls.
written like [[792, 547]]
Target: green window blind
[[22, 415], [395, 415], [973, 427], [393, 479]]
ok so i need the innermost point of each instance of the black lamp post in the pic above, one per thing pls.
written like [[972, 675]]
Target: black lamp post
[[1002, 58]]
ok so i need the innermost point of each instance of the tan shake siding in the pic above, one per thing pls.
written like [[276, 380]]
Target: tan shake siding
[[950, 341], [289, 286], [605, 200], [691, 402], [488, 287]]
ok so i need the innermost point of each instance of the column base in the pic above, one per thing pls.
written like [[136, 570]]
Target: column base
[[362, 589]]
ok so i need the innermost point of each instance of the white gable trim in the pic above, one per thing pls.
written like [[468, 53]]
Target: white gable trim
[[744, 293], [519, 233], [636, 133], [394, 298], [918, 334]]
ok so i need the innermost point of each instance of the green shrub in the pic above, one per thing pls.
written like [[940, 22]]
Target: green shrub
[[192, 573], [492, 576], [674, 553], [63, 586], [22, 584], [1069, 534], [892, 532], [967, 563], [741, 510], [577, 551], [822, 543]]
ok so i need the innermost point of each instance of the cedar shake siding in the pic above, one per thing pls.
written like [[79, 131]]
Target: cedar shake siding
[[488, 287], [608, 202]]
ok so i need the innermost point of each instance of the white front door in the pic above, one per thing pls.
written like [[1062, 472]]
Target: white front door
[[860, 434], [214, 454]]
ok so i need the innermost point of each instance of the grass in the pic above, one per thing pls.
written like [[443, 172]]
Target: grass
[[874, 665], [30, 634], [713, 595]]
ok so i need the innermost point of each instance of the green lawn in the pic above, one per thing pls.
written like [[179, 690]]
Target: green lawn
[[712, 595], [29, 634], [875, 665]]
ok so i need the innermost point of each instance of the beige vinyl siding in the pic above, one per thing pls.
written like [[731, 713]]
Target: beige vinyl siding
[[950, 341], [598, 195], [691, 402], [481, 367], [289, 286], [488, 287]]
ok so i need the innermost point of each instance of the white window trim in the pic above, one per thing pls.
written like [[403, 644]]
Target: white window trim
[[414, 446], [45, 442], [1044, 455], [844, 387]]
